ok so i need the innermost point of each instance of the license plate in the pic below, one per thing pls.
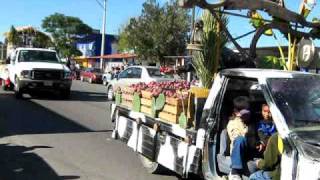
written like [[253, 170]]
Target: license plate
[[48, 83]]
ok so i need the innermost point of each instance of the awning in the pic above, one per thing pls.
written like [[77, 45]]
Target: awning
[[110, 56]]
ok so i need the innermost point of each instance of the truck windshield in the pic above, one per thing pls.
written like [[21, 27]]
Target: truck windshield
[[37, 56], [298, 99], [154, 72]]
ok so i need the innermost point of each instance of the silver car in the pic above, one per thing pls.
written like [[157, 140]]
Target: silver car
[[133, 75]]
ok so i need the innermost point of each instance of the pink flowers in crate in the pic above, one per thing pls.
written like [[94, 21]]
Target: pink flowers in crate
[[168, 88]]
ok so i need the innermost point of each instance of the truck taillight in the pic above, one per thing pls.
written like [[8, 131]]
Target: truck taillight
[[7, 82]]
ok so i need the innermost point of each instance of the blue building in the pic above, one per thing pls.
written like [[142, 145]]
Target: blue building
[[90, 45]]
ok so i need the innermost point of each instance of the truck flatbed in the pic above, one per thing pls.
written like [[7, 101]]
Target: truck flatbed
[[172, 129]]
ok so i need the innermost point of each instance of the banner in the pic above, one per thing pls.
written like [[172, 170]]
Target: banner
[[87, 49]]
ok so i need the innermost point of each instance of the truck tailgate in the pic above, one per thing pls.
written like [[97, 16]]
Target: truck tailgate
[[166, 144]]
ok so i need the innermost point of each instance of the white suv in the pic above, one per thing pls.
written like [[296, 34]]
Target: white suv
[[133, 75]]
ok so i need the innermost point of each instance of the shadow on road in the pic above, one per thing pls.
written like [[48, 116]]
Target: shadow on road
[[19, 163], [26, 117], [88, 96], [75, 96]]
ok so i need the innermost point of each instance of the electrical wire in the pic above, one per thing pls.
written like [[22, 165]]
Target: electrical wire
[[100, 4]]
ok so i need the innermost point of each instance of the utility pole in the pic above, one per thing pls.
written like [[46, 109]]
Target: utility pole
[[2, 52], [103, 32], [192, 22]]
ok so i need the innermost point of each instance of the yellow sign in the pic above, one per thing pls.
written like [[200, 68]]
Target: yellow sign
[[306, 6]]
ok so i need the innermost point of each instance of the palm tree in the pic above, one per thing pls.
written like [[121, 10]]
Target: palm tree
[[13, 37], [207, 61]]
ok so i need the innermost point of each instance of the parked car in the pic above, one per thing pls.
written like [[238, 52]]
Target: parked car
[[91, 75], [135, 74]]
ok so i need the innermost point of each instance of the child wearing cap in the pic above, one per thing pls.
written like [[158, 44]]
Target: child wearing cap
[[237, 129]]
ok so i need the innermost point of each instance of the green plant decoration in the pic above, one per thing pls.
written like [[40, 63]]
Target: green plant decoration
[[118, 98], [160, 101], [207, 62], [183, 120], [136, 103]]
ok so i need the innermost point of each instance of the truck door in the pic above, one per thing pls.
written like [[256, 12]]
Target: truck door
[[11, 66], [208, 122]]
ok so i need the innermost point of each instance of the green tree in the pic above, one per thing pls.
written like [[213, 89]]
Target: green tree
[[13, 37], [157, 32], [65, 30], [41, 40]]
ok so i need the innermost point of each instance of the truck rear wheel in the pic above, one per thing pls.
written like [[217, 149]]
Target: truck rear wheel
[[110, 95], [17, 89], [152, 167], [3, 85], [65, 94]]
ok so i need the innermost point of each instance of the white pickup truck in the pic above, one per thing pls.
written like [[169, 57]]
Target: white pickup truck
[[294, 101], [35, 69]]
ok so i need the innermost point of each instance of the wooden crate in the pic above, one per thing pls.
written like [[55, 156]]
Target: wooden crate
[[127, 103], [145, 109], [176, 101], [127, 97], [146, 94], [168, 117], [173, 109], [146, 102], [127, 90]]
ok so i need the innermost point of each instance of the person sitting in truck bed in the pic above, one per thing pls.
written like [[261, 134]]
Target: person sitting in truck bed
[[270, 164], [242, 133], [265, 128]]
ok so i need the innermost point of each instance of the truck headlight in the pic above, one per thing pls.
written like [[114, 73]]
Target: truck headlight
[[25, 74], [67, 75]]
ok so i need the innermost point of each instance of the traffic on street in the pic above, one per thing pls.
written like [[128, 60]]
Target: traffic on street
[[49, 138], [160, 90]]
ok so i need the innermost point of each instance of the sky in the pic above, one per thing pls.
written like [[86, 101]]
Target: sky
[[32, 12]]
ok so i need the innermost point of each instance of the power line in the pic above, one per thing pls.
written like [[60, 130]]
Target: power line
[[100, 4]]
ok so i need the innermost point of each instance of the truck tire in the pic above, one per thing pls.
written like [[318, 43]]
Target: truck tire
[[3, 85], [104, 82], [65, 94], [110, 95], [152, 167], [17, 89]]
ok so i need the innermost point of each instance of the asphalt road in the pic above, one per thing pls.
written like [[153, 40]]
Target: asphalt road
[[44, 138]]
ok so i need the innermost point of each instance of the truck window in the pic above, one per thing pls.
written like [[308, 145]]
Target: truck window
[[37, 56], [298, 99], [241, 87], [136, 73], [154, 72]]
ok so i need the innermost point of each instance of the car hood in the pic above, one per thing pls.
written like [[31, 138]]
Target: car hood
[[307, 142], [311, 136], [41, 65]]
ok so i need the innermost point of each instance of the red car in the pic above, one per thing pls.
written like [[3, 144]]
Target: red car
[[92, 75]]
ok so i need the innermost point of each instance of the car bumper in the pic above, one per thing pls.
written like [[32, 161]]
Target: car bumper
[[27, 84]]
